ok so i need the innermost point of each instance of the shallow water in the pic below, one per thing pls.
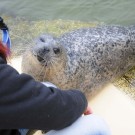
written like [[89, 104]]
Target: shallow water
[[107, 11]]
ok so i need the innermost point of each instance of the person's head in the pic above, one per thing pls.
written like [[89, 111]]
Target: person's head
[[5, 44]]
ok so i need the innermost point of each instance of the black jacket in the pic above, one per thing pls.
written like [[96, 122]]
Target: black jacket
[[26, 103]]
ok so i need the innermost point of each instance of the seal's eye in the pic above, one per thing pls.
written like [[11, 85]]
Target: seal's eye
[[56, 50], [41, 39]]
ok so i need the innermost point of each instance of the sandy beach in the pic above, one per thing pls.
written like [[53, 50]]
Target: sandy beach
[[114, 106]]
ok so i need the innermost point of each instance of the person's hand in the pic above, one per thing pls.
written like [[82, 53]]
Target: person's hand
[[87, 111]]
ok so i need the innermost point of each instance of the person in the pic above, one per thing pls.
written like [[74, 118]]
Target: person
[[28, 104]]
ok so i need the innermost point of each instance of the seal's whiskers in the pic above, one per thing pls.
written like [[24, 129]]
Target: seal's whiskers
[[44, 74]]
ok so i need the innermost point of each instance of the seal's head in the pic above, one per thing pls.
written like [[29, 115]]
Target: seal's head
[[48, 51], [44, 58]]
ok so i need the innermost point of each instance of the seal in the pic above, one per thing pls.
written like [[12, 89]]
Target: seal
[[86, 59]]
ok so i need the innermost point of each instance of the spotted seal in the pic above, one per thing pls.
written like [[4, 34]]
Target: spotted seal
[[86, 59]]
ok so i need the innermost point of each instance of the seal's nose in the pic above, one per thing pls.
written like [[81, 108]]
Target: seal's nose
[[41, 53], [40, 59], [45, 50]]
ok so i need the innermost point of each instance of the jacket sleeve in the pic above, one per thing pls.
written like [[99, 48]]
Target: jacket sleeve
[[26, 103]]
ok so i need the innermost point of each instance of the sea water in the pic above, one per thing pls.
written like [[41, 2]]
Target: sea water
[[107, 11]]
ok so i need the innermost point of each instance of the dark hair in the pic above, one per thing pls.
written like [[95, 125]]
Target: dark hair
[[3, 51]]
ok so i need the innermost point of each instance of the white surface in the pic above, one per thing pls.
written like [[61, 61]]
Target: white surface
[[117, 109], [16, 63], [85, 125]]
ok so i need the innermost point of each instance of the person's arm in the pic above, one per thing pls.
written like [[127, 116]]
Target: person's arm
[[26, 103]]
